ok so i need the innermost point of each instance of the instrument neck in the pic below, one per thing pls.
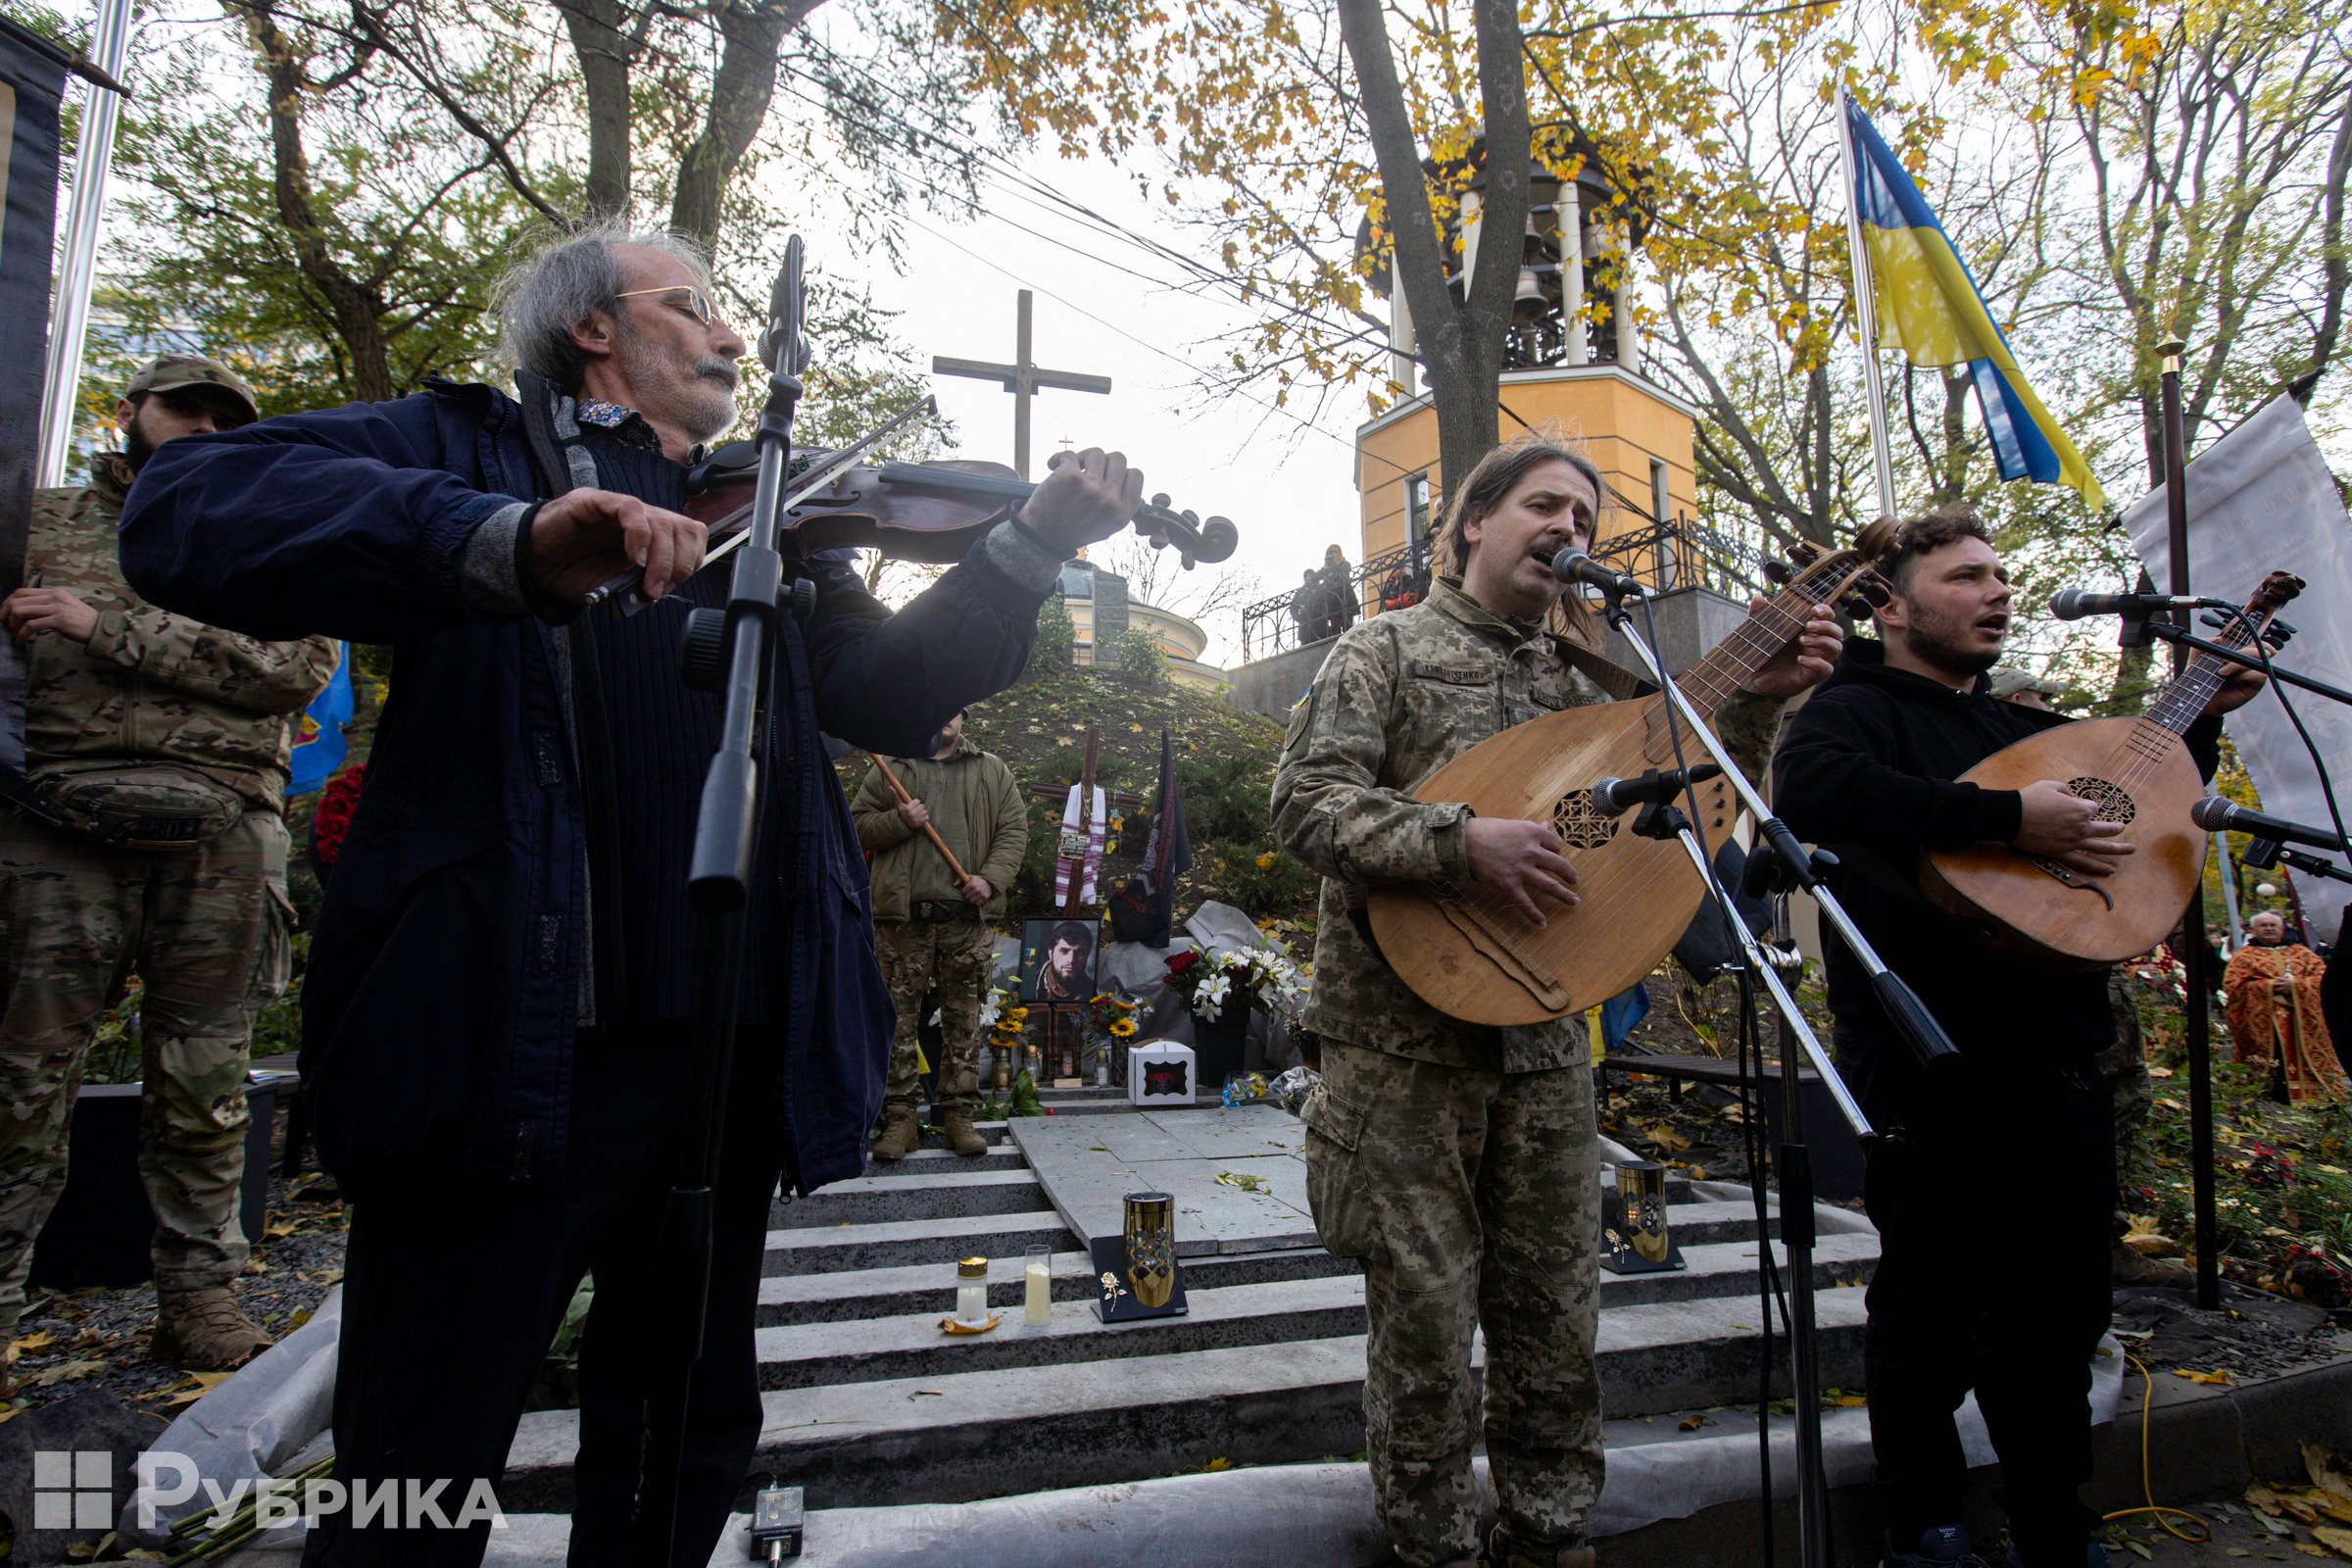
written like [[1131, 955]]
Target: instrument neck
[[2184, 699], [1755, 642]]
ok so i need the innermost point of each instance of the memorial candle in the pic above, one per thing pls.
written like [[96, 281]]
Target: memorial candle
[[1036, 1301]]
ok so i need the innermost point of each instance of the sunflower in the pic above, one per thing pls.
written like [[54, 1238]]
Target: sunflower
[[1122, 1027]]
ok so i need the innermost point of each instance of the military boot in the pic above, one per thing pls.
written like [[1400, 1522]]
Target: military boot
[[203, 1330], [1506, 1551], [899, 1135], [961, 1137]]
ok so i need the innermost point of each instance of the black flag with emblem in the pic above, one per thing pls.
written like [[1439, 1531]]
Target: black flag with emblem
[[1144, 909], [33, 79]]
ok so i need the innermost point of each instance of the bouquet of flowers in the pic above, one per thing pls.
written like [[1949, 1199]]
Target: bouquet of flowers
[[1257, 977], [1111, 1015]]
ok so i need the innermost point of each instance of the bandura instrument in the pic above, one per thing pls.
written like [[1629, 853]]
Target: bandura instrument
[[1469, 952], [2044, 912]]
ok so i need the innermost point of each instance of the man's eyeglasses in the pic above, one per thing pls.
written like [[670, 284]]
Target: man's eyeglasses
[[696, 302]]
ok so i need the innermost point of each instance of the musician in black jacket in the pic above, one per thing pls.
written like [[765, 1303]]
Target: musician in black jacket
[[1992, 1194]]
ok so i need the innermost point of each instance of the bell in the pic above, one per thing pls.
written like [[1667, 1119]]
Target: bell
[[1531, 290]]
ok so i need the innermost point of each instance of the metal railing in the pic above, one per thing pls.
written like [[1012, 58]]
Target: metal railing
[[1298, 617], [1683, 553]]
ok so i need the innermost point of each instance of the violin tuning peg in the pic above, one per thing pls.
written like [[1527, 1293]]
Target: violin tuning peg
[[1161, 501], [1804, 552], [1779, 573]]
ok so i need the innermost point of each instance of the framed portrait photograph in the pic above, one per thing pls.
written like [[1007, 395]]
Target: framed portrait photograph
[[1057, 960]]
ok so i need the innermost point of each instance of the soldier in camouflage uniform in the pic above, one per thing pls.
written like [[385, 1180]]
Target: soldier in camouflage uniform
[[1459, 1162], [161, 745], [932, 936]]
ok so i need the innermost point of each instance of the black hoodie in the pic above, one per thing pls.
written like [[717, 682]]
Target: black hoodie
[[1868, 768]]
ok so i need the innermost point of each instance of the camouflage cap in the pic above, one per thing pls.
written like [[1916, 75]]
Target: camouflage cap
[[2008, 681], [172, 372]]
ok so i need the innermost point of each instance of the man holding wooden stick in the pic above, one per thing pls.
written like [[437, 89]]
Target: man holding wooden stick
[[947, 834]]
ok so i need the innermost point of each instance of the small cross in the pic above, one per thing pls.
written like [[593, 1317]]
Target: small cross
[[1022, 378]]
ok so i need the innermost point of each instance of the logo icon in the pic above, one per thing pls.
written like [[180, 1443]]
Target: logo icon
[[72, 1491]]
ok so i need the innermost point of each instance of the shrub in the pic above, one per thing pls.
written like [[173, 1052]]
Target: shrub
[[1135, 652], [1057, 640]]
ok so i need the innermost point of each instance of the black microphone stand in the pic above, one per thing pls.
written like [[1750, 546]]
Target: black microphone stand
[[732, 651], [1792, 1159], [2196, 982]]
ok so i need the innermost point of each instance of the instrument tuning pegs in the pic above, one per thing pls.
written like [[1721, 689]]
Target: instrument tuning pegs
[[1804, 552], [1161, 501], [1778, 572]]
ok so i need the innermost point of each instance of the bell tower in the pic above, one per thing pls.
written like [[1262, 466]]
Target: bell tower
[[1574, 358]]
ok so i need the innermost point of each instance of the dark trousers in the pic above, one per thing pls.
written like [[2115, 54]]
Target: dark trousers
[[1992, 1198], [450, 1298]]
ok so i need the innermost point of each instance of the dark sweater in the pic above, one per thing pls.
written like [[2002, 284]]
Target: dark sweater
[[1869, 769], [660, 736]]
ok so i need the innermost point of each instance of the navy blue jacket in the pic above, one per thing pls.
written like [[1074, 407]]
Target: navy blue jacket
[[449, 975]]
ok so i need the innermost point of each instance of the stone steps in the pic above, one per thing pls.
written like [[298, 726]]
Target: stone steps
[[820, 1249], [937, 1436], [867, 1403]]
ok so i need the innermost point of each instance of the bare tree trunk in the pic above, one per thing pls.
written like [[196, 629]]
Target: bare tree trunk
[[1461, 345], [605, 54], [740, 93], [358, 310]]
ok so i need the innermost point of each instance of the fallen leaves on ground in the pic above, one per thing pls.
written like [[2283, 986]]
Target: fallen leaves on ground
[[2337, 1541], [2218, 1377], [1666, 1137], [67, 1372], [199, 1385], [1248, 1184]]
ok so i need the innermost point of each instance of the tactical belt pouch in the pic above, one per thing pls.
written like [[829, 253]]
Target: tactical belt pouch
[[152, 807], [931, 911]]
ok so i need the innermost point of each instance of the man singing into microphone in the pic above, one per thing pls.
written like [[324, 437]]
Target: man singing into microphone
[[495, 1008], [1459, 1162], [1993, 1193]]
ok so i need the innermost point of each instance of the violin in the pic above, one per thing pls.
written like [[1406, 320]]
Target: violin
[[930, 512]]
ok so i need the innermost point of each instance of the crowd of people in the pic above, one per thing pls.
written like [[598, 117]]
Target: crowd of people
[[502, 979]]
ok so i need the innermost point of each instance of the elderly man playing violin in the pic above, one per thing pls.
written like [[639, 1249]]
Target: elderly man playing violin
[[498, 992]]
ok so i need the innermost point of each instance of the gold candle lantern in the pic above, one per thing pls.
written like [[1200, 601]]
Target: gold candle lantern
[[1642, 1207], [1152, 1248]]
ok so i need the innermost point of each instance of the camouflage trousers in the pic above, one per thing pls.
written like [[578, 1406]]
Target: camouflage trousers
[[206, 931], [951, 960], [1473, 1199]]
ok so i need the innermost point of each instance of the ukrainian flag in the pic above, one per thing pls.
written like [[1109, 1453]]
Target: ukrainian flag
[[1930, 309]]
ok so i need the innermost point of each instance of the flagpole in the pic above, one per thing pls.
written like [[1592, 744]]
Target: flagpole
[[1866, 311], [70, 316]]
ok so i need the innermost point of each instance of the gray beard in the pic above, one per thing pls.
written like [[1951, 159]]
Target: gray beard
[[696, 403]]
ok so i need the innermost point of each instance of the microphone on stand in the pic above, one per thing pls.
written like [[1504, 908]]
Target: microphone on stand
[[1575, 565], [2074, 603], [2215, 814], [1613, 797]]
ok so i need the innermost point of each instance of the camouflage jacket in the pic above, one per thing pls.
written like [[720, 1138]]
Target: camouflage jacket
[[977, 806], [1399, 695], [148, 686]]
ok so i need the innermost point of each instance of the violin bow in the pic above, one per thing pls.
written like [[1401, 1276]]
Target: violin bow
[[817, 479]]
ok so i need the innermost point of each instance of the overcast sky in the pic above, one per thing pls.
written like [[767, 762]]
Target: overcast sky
[[1286, 483]]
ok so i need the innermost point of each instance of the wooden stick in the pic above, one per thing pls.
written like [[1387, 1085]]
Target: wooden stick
[[890, 778]]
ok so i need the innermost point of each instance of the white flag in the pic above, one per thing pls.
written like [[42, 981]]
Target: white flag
[[2261, 499]]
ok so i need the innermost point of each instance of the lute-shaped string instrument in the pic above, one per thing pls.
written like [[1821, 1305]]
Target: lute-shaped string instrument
[[2139, 770], [1469, 952]]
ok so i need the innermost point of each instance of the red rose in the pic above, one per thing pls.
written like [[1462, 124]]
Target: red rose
[[1182, 961]]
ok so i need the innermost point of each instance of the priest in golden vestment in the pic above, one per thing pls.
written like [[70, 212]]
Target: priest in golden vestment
[[2274, 991]]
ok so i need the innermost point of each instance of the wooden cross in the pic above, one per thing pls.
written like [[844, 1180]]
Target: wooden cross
[[1022, 378]]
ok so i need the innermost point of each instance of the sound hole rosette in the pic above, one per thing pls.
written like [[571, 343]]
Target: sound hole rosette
[[2115, 803], [1578, 824]]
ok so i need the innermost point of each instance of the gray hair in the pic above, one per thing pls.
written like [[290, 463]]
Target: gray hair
[[543, 298]]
